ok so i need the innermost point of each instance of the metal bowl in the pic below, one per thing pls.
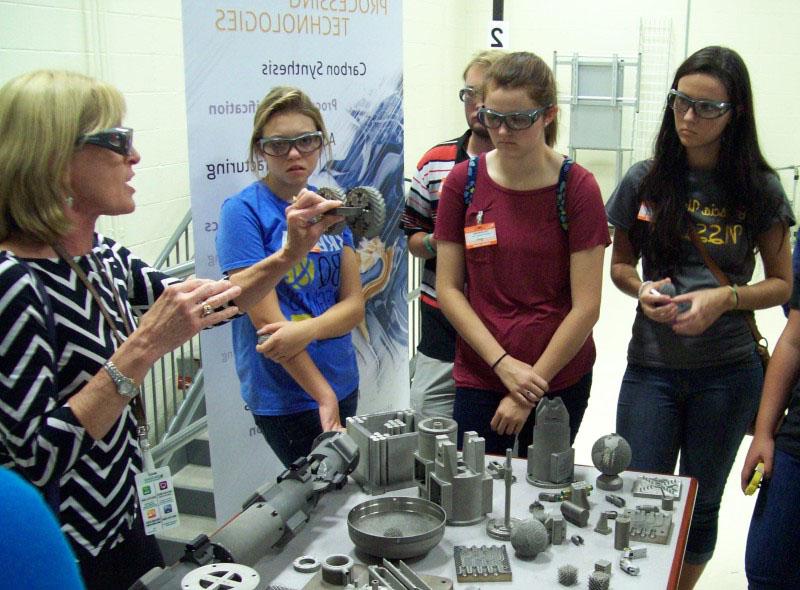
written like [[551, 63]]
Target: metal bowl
[[396, 527]]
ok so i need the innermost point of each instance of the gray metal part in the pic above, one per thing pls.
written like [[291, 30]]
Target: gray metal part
[[485, 562], [387, 442], [396, 527], [622, 533], [550, 456], [399, 577], [460, 484], [337, 570], [370, 223], [246, 538], [575, 514]]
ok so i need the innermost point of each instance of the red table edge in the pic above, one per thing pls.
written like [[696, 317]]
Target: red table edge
[[683, 533]]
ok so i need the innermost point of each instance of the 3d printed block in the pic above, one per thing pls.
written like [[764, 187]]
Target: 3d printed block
[[386, 442], [551, 459], [653, 486], [482, 564], [649, 526], [567, 575], [459, 482]]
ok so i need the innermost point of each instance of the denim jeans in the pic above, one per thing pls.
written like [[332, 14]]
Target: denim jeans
[[773, 544], [291, 436], [474, 408], [702, 414]]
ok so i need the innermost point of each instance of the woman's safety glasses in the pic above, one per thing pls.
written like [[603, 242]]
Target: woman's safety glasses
[[515, 121], [280, 146], [116, 139], [705, 109]]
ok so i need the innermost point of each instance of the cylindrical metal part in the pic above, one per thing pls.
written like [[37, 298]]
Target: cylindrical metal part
[[622, 532], [574, 513], [429, 429], [336, 569], [508, 482]]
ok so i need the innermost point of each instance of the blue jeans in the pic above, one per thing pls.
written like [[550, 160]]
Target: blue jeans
[[291, 436], [701, 413], [773, 544], [474, 408]]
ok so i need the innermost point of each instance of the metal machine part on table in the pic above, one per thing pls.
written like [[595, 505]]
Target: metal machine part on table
[[233, 576], [429, 430], [657, 487], [500, 528], [482, 564], [388, 576], [611, 455], [551, 459], [387, 442], [271, 517], [396, 527], [649, 526], [459, 482]]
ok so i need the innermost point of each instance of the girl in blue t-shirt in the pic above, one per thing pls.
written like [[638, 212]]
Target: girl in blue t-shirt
[[303, 380]]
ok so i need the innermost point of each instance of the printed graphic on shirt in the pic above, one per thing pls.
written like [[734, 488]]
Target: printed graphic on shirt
[[713, 224]]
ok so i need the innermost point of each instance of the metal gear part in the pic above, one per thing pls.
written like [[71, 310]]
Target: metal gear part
[[370, 223], [334, 194]]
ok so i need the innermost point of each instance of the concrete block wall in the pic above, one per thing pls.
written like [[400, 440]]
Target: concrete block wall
[[138, 47]]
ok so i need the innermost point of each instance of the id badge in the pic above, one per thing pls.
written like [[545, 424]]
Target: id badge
[[478, 236], [156, 495]]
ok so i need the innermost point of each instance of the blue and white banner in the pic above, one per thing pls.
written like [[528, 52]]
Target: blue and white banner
[[347, 56]]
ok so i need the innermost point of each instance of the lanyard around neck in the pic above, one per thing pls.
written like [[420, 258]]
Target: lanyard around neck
[[138, 402]]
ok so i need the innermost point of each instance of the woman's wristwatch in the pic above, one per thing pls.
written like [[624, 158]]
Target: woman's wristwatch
[[126, 386]]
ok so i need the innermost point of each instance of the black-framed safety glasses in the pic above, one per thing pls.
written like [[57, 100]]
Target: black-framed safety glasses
[[116, 139], [515, 121], [467, 94], [280, 146], [705, 109]]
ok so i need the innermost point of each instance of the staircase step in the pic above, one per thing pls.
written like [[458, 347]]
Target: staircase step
[[198, 450], [194, 491]]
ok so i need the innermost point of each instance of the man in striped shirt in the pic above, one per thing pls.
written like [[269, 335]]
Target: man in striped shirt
[[432, 387]]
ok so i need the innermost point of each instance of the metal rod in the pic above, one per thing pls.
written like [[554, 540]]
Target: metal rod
[[508, 475]]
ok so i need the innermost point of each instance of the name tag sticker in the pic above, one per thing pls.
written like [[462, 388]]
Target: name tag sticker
[[157, 500], [478, 236]]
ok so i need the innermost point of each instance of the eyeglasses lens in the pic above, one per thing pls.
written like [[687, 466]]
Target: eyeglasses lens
[[306, 143], [118, 139], [705, 109], [514, 121], [466, 94]]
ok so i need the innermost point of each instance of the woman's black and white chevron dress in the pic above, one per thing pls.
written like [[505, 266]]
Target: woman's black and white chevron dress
[[92, 482]]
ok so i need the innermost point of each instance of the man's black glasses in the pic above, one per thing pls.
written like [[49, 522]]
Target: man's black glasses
[[705, 109], [515, 121], [116, 139], [280, 146]]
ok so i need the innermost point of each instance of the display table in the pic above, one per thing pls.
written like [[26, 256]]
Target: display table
[[326, 534]]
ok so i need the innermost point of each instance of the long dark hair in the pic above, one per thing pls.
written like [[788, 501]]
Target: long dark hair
[[740, 168]]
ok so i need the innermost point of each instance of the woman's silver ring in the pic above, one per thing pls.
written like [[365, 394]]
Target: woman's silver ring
[[207, 310]]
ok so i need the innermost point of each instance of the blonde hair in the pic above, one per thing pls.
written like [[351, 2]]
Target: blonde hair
[[42, 115], [483, 59], [529, 72], [283, 99]]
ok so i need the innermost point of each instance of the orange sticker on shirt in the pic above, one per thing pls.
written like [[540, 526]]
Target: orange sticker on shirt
[[478, 236], [644, 213]]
